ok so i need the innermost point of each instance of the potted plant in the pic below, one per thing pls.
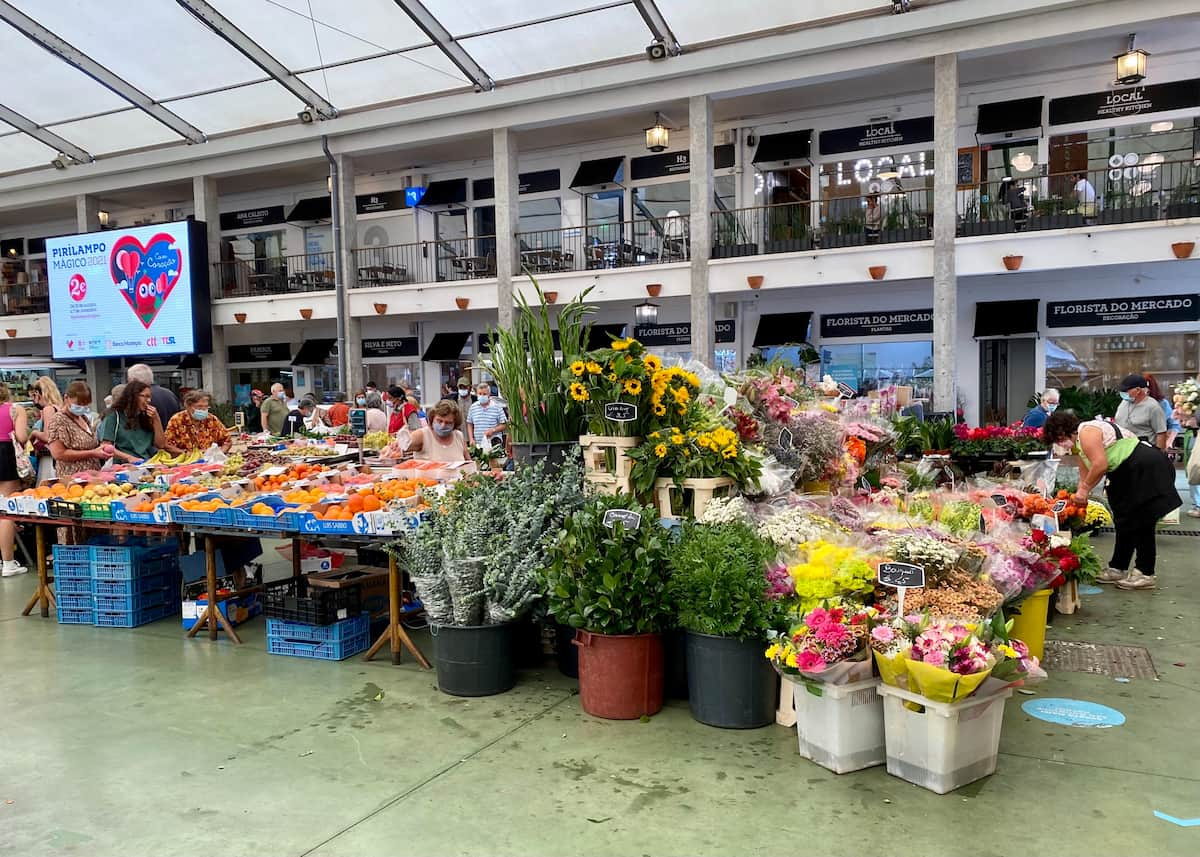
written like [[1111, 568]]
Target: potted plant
[[788, 228], [543, 421], [722, 599], [729, 237], [1122, 206], [846, 232], [1185, 198], [607, 578]]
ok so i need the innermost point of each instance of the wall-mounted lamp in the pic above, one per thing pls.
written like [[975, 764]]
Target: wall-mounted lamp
[[645, 313], [1131, 65], [102, 216], [658, 136]]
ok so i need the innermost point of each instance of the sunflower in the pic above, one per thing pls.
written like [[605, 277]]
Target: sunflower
[[612, 376], [633, 387], [681, 396], [578, 392], [660, 450], [593, 368], [621, 344], [578, 368], [729, 452], [677, 438], [660, 410], [652, 362]]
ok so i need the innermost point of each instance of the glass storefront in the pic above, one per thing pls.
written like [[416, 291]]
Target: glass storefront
[[1142, 164], [389, 374], [1100, 362], [876, 365], [257, 377], [902, 183]]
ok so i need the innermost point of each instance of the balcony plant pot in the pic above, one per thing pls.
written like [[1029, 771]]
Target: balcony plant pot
[[877, 272], [551, 297], [730, 251], [380, 309], [730, 684], [462, 303], [789, 245], [306, 313], [654, 289], [12, 332], [899, 236], [620, 675], [754, 281], [527, 650], [986, 227], [1013, 263], [239, 317], [473, 660], [1129, 214], [1057, 221], [1183, 249]]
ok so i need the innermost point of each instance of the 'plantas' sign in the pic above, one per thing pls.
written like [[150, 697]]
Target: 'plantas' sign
[[902, 575], [620, 412], [629, 519]]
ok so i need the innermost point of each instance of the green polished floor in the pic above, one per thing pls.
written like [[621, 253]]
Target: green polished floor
[[140, 742]]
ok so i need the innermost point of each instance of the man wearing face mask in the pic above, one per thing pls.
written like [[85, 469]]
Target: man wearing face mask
[[485, 419], [464, 399], [275, 410], [1036, 418], [1139, 414]]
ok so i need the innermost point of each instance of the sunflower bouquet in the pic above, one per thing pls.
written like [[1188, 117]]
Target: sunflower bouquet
[[692, 454], [612, 386], [673, 395]]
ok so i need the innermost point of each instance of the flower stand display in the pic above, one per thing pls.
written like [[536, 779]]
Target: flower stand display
[[1030, 624], [943, 746], [688, 498], [607, 467], [840, 726]]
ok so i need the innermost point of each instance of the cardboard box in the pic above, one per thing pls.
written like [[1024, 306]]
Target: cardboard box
[[236, 610]]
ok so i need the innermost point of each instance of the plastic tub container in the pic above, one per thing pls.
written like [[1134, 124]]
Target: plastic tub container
[[730, 684], [474, 660], [840, 726], [946, 745]]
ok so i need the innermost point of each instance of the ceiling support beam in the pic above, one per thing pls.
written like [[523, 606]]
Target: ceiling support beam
[[69, 54], [445, 42], [658, 25], [254, 52], [40, 134]]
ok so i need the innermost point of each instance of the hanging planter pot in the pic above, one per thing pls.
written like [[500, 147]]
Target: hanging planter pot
[[754, 281], [463, 303], [1183, 249], [12, 332], [1013, 263], [239, 317], [551, 297], [306, 313], [877, 271], [380, 309], [654, 289]]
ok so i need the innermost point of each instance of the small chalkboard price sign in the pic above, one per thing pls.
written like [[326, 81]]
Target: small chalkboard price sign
[[620, 412], [901, 576], [1059, 506], [846, 391], [790, 402], [1000, 500], [358, 422], [627, 518], [785, 438], [239, 420]]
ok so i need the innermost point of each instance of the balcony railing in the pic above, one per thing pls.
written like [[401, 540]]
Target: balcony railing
[[312, 272], [1125, 193], [427, 261], [605, 245], [15, 302]]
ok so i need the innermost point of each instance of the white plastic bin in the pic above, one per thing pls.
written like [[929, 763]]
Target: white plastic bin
[[840, 726], [948, 744]]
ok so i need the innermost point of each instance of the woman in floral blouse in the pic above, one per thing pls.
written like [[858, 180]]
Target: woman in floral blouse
[[194, 428]]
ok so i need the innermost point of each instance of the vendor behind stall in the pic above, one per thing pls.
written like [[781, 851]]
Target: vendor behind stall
[[443, 440], [194, 428], [132, 424]]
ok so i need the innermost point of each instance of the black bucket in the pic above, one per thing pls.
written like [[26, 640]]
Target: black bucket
[[675, 669], [528, 653], [473, 660], [730, 683], [554, 454], [565, 651]]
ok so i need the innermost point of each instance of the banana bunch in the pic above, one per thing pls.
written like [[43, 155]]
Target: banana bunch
[[165, 458]]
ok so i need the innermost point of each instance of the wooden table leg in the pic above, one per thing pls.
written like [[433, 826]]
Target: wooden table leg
[[44, 593], [212, 615], [395, 635]]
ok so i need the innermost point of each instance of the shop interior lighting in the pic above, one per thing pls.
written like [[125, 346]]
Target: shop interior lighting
[[1131, 65], [658, 136], [1162, 127], [646, 313], [102, 216], [901, 6]]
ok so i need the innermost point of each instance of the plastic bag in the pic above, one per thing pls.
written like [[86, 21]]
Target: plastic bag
[[1040, 476], [775, 480], [213, 455]]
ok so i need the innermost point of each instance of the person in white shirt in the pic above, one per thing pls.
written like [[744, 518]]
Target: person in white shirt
[[1085, 196]]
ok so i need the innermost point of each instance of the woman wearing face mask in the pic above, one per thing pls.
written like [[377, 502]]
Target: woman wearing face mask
[[133, 425], [194, 428], [48, 401], [72, 443], [376, 417], [14, 425], [442, 440]]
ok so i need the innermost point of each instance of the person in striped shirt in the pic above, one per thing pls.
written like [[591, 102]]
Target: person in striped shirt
[[485, 419]]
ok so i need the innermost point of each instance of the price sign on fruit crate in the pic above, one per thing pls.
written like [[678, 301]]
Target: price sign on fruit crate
[[627, 518], [239, 420], [358, 422], [901, 576], [620, 412]]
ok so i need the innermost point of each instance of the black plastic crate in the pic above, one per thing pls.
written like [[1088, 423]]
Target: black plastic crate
[[294, 600]]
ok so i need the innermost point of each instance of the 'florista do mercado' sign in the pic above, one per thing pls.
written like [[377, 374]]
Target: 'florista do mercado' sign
[[1146, 309], [890, 323]]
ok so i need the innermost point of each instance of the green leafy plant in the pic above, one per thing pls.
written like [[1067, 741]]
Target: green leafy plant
[[719, 581], [610, 580], [529, 373], [936, 435]]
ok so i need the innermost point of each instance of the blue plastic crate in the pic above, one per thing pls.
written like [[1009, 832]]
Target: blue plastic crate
[[300, 632], [72, 571], [132, 619], [72, 585], [217, 518], [74, 602], [131, 554], [134, 586], [288, 522], [125, 571], [73, 554], [134, 603], [329, 651], [76, 617]]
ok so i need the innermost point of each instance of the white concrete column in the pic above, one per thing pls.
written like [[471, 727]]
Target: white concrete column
[[87, 219], [700, 176], [945, 283], [350, 328], [214, 367], [508, 213]]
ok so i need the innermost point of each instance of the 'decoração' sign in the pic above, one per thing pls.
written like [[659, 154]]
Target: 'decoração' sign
[[1144, 309]]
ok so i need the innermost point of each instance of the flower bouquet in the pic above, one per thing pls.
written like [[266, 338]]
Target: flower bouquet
[[614, 376], [944, 662], [1015, 441], [830, 646], [673, 395], [827, 570], [1187, 398], [692, 455]]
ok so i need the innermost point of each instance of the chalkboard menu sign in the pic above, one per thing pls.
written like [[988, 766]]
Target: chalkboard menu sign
[[968, 175], [358, 422], [902, 575]]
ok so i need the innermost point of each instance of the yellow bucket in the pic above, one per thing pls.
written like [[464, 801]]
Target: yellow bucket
[[1029, 626]]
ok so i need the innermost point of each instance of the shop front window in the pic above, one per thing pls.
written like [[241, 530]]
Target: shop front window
[[1100, 362], [902, 184], [394, 374], [659, 227], [883, 364], [1144, 164]]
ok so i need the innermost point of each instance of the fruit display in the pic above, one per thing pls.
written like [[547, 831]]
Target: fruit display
[[166, 458], [376, 440], [303, 451]]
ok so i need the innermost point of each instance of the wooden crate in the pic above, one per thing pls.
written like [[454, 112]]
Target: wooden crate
[[606, 456], [702, 493], [604, 483]]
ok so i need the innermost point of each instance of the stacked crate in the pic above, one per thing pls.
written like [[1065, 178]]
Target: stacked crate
[[315, 622], [116, 585], [73, 584]]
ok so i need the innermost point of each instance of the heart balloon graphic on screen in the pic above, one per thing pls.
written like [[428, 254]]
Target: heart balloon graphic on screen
[[146, 274]]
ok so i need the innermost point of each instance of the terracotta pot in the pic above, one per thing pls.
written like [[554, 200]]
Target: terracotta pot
[[239, 317], [754, 281], [12, 332], [653, 289], [1183, 249], [551, 297], [380, 309], [306, 313], [877, 271], [463, 303], [1013, 263]]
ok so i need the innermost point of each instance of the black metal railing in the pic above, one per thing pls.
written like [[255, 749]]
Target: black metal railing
[[16, 303], [624, 244], [1131, 192], [311, 272], [426, 261]]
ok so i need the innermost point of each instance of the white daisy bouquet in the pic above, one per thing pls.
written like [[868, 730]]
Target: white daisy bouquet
[[1187, 397]]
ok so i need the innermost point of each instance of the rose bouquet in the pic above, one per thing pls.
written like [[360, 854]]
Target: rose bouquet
[[617, 374], [829, 645]]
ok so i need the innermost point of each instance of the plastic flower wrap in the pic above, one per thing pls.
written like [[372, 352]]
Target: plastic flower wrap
[[1187, 398], [829, 570], [792, 526], [941, 659], [957, 593], [1014, 662], [937, 557], [829, 645], [813, 450], [960, 517]]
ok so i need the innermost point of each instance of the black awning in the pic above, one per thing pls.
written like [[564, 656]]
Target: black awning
[[1006, 318], [598, 172], [782, 328], [314, 352], [310, 209], [446, 346], [448, 192], [602, 335], [1016, 115], [791, 146], [190, 361], [485, 342]]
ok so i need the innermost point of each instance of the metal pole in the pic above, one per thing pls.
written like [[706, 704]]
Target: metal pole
[[339, 273]]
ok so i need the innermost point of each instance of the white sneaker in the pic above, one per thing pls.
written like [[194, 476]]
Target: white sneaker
[[1137, 580], [1111, 575], [12, 568], [1193, 513]]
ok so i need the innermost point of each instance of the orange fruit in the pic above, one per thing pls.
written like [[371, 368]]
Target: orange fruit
[[371, 503]]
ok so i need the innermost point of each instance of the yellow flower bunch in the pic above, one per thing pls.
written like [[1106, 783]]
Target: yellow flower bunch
[[622, 344], [675, 386], [578, 392], [593, 368], [830, 570], [578, 368]]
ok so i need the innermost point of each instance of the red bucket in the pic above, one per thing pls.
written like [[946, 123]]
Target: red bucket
[[620, 676]]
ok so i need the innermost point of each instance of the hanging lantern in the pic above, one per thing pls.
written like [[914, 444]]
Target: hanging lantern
[[645, 313], [658, 136], [1131, 65]]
